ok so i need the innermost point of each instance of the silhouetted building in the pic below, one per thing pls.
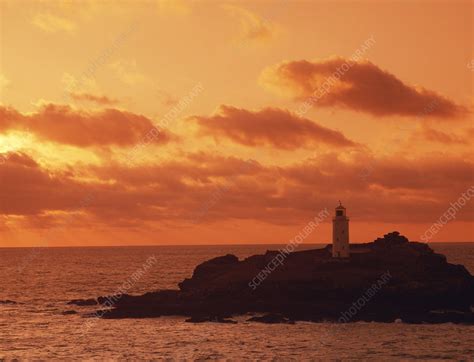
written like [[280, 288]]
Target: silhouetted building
[[340, 233]]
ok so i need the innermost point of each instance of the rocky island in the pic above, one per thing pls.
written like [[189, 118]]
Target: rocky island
[[388, 280]]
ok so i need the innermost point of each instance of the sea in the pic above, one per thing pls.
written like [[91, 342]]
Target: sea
[[42, 280]]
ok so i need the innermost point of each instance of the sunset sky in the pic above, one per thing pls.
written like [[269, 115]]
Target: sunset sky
[[173, 122]]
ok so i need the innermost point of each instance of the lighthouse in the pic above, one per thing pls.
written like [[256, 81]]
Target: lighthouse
[[340, 233]]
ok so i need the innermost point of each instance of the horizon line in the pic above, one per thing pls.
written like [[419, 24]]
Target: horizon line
[[247, 244]]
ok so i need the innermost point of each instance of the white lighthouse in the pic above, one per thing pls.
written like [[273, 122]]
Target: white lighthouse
[[340, 233]]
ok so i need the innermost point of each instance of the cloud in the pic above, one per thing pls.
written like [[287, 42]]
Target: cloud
[[252, 26], [446, 138], [383, 189], [52, 23], [181, 189], [99, 99], [269, 126], [358, 86], [27, 189], [66, 125], [433, 174]]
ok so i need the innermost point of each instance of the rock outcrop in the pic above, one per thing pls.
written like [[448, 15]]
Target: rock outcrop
[[8, 301], [214, 319], [388, 279], [271, 318], [83, 302]]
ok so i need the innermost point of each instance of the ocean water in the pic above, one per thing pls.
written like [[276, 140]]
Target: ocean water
[[41, 281]]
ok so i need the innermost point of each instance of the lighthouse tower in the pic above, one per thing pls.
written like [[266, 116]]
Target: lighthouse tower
[[340, 233]]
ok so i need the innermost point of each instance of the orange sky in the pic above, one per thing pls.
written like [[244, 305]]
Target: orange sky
[[176, 122]]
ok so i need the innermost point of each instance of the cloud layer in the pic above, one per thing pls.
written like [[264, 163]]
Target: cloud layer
[[66, 125], [358, 86], [215, 188], [269, 126], [94, 98]]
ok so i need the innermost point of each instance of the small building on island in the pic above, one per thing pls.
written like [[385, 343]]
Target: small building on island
[[340, 233]]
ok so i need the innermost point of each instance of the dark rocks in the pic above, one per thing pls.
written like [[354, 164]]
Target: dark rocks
[[110, 299], [69, 312], [271, 318], [393, 238], [83, 302], [211, 267], [8, 301], [214, 319], [386, 280]]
